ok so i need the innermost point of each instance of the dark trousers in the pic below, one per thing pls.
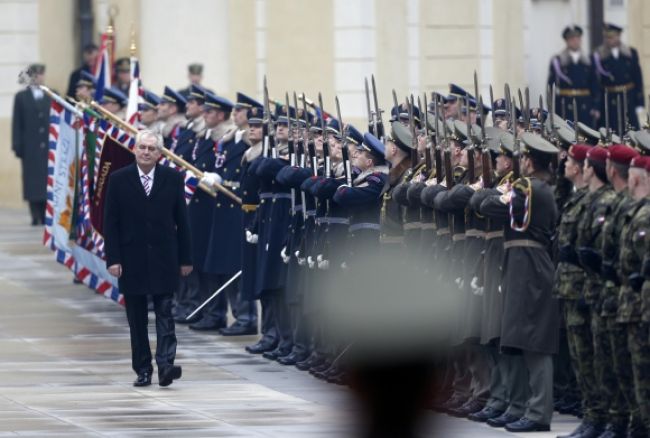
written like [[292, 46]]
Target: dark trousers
[[268, 329], [188, 296], [282, 319], [244, 311], [37, 211], [137, 315]]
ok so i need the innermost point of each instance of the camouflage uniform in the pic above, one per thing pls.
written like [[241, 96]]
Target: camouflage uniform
[[590, 237], [635, 245], [620, 358]]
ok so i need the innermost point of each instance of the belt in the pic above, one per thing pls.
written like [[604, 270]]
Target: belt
[[523, 243], [266, 195], [458, 237], [333, 220], [297, 208], [364, 226], [475, 233], [574, 92], [493, 235], [249, 208], [620, 88], [391, 239], [428, 226], [282, 196], [231, 184], [412, 225], [442, 231], [310, 212]]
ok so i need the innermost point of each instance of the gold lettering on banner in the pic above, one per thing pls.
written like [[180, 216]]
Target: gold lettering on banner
[[106, 167]]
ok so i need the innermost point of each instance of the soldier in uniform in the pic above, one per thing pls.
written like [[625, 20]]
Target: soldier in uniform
[[85, 90], [618, 70], [115, 101], [29, 140], [193, 125], [149, 112], [572, 73], [171, 112], [123, 75], [195, 77], [89, 54], [530, 314], [618, 162]]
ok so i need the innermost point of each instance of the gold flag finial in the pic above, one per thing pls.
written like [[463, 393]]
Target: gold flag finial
[[133, 45]]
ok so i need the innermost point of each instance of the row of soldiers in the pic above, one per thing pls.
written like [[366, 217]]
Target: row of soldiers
[[536, 226]]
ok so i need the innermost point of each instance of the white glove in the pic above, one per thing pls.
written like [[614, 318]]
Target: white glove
[[251, 238], [301, 260], [476, 289], [344, 266], [322, 263], [285, 257], [211, 179], [310, 262], [459, 282]]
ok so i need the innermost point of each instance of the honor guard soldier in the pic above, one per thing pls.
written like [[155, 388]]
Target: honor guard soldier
[[171, 111], [618, 70], [195, 77], [89, 54], [149, 112], [85, 89], [531, 315], [123, 75], [115, 102], [195, 124], [575, 79]]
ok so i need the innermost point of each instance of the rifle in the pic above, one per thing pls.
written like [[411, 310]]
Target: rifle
[[327, 161], [516, 170], [619, 114], [414, 137], [470, 146], [523, 108], [304, 140], [438, 149], [575, 118], [608, 131], [527, 97], [372, 122], [344, 150], [509, 105], [427, 150], [626, 120], [449, 173], [269, 127], [292, 152], [486, 160], [492, 104], [476, 97], [379, 125], [396, 104]]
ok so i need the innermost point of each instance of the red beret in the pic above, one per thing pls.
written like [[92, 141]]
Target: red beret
[[597, 154], [579, 151], [621, 154], [641, 162]]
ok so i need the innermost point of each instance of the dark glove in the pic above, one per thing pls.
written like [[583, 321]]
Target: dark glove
[[582, 305], [636, 281], [608, 272], [589, 259], [567, 254], [645, 267], [610, 305]]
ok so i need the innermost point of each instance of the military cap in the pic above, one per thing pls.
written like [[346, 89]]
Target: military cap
[[149, 101], [195, 69], [641, 141], [114, 95], [640, 162], [435, 123], [282, 114], [499, 108], [372, 144], [621, 154], [317, 126], [123, 65], [197, 92], [566, 135], [579, 151], [244, 101], [460, 129], [86, 79], [586, 134], [37, 69], [402, 112], [493, 138], [353, 135], [615, 138], [534, 144], [571, 31], [333, 126], [456, 92], [302, 117], [612, 28], [597, 154], [255, 115], [212, 101], [172, 96], [507, 144], [401, 136], [456, 135]]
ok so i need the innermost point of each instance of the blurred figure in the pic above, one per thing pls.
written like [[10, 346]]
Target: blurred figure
[[90, 53], [29, 140]]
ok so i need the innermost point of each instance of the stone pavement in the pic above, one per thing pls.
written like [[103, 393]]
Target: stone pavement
[[65, 369]]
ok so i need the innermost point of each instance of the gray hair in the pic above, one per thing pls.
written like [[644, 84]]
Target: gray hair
[[149, 134]]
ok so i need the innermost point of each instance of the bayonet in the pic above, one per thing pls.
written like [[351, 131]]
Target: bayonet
[[414, 136], [523, 108], [626, 126], [379, 125], [327, 160], [608, 131], [527, 101], [470, 146], [486, 167], [619, 114], [575, 118], [396, 104], [516, 170], [346, 160], [438, 149], [372, 125], [427, 149], [492, 105]]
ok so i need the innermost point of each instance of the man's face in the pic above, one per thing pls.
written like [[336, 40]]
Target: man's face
[[90, 57], [195, 79], [451, 109], [212, 117], [84, 93], [390, 151], [362, 160], [526, 165], [318, 143], [457, 154], [335, 148], [111, 107], [282, 132], [255, 133], [124, 76], [504, 164], [574, 42], [240, 117], [193, 109], [588, 171], [612, 39], [166, 110], [147, 153], [571, 168], [148, 116]]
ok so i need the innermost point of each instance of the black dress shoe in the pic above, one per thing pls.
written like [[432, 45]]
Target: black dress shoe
[[453, 403], [502, 420], [586, 429], [578, 430], [208, 325], [319, 368], [292, 358], [469, 407], [169, 374], [144, 379], [569, 408], [313, 360], [527, 425], [484, 414], [275, 354], [261, 347], [239, 330], [614, 431]]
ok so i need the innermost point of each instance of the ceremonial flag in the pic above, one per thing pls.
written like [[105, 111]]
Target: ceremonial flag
[[65, 156], [136, 94], [103, 68]]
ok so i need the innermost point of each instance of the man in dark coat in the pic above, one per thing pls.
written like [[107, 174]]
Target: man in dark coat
[[29, 142], [90, 53], [147, 242]]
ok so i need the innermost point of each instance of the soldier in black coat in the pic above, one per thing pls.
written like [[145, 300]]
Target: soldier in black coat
[[90, 53], [29, 138], [147, 242]]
